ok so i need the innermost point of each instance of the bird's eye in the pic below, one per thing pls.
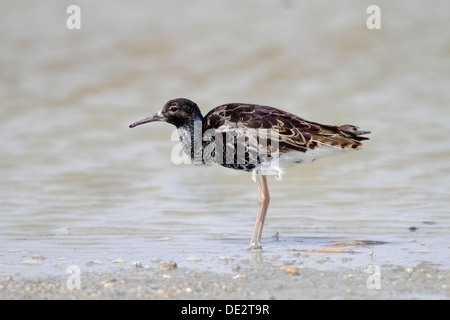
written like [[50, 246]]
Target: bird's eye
[[173, 109]]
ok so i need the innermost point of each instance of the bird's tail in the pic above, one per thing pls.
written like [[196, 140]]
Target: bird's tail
[[353, 132]]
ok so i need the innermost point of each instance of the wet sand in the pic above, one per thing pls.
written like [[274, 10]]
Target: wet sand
[[267, 281]]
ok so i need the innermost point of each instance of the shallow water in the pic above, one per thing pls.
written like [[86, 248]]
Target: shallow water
[[79, 187]]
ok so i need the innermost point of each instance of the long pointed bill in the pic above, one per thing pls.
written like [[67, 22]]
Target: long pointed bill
[[156, 117]]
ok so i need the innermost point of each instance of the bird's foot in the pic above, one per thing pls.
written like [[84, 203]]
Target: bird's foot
[[255, 246]]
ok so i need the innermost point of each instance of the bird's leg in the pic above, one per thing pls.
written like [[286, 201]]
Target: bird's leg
[[263, 204]]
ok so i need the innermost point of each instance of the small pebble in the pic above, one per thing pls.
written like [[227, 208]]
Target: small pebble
[[91, 263], [118, 260], [168, 265], [291, 270], [38, 257], [321, 261], [278, 265], [32, 262], [108, 284], [225, 258], [193, 259]]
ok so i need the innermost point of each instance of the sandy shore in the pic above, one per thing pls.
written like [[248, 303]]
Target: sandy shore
[[268, 281]]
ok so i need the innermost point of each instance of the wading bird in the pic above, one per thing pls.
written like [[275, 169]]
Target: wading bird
[[254, 138]]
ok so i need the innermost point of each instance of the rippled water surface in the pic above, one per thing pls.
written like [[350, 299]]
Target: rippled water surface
[[77, 186]]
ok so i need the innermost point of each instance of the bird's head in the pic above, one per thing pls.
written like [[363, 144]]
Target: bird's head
[[178, 112]]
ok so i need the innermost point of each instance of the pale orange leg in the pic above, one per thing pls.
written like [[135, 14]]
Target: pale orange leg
[[263, 205]]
